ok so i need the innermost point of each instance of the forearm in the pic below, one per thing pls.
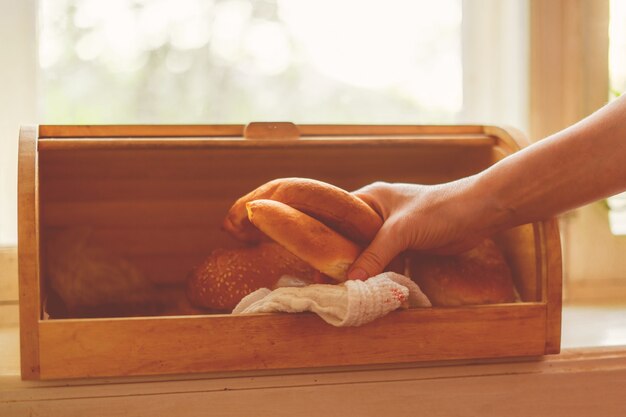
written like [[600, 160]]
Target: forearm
[[583, 163]]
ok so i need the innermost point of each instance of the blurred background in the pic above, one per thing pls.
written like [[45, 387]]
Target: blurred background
[[232, 61], [532, 64]]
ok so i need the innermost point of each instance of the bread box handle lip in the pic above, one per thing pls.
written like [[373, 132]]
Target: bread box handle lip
[[271, 131]]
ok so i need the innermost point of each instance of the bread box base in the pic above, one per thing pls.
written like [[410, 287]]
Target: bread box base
[[156, 196]]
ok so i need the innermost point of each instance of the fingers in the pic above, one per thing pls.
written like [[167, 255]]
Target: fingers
[[371, 195], [372, 202], [377, 256]]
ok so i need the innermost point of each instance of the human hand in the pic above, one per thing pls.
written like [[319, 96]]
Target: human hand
[[436, 218]]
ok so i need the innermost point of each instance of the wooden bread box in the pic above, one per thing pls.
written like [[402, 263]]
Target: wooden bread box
[[157, 195]]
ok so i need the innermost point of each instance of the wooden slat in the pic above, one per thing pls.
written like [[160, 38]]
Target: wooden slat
[[224, 342], [28, 253], [202, 143], [89, 189], [78, 189], [553, 273], [330, 162], [111, 131], [94, 131], [344, 130]]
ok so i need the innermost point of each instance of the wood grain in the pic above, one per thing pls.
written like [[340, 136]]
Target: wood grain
[[28, 253], [77, 348], [553, 279], [237, 143], [339, 162], [112, 131], [138, 131]]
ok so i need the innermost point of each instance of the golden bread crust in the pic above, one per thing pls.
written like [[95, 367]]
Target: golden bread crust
[[333, 206], [308, 239], [228, 275], [478, 276]]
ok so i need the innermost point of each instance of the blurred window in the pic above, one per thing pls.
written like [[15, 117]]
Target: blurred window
[[235, 61], [617, 83]]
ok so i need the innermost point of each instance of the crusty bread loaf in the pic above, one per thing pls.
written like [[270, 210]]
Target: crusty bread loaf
[[88, 279], [478, 276], [228, 275], [336, 208], [308, 239]]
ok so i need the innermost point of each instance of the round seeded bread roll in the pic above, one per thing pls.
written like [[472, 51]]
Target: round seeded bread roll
[[478, 276], [228, 275], [333, 206], [308, 239]]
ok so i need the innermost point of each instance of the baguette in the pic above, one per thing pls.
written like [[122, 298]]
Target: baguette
[[336, 208], [308, 239]]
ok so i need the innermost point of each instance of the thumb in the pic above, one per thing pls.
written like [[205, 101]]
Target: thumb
[[373, 260]]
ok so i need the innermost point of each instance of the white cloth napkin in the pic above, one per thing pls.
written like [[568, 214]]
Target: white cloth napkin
[[351, 303]]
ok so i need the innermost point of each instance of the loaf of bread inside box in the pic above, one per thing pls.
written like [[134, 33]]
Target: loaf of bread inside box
[[478, 276]]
